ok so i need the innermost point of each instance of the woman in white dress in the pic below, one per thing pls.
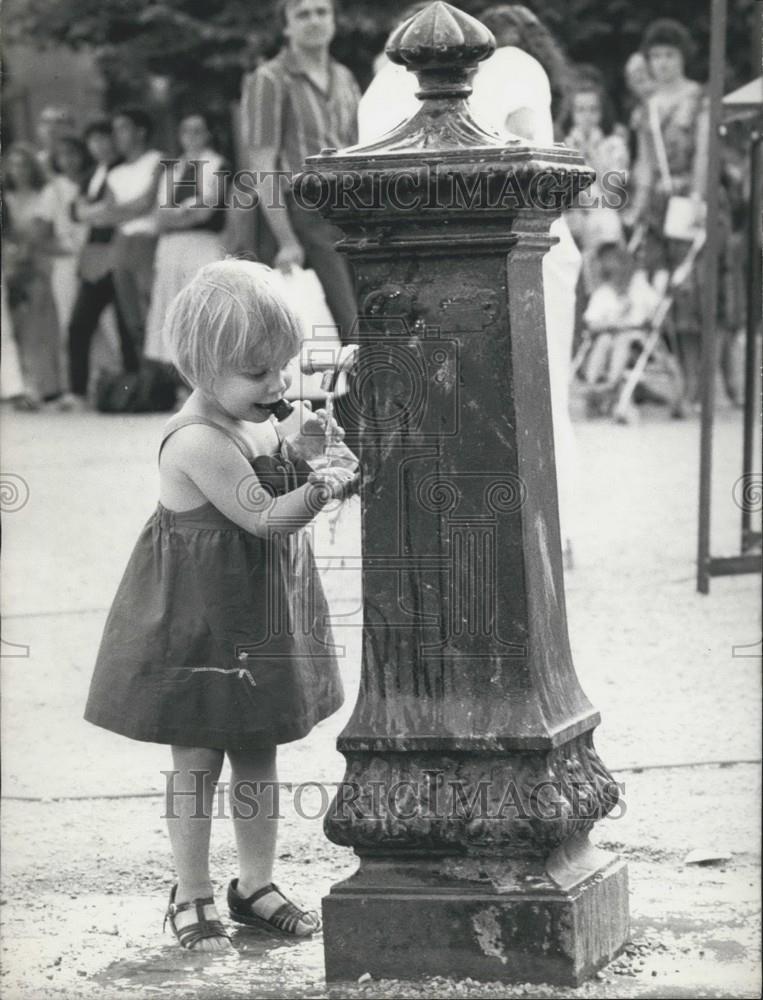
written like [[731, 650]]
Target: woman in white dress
[[514, 90], [62, 237], [11, 378], [26, 275], [191, 221], [512, 93]]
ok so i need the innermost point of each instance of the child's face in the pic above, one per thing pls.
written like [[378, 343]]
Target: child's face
[[614, 269], [586, 110], [241, 395]]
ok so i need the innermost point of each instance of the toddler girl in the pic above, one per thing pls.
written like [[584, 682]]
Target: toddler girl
[[217, 642]]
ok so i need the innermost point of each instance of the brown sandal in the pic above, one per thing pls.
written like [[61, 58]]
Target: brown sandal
[[190, 935], [283, 921]]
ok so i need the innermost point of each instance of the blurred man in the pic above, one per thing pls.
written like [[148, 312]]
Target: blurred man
[[292, 107], [96, 288], [130, 206]]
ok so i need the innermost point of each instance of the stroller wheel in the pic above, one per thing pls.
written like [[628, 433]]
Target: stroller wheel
[[627, 415]]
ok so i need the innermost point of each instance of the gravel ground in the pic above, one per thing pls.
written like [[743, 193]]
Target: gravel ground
[[675, 676]]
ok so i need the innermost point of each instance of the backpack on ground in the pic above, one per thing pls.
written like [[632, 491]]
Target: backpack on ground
[[152, 389]]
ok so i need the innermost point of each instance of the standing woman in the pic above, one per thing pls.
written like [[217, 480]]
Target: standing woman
[[191, 221], [12, 386], [27, 272], [62, 237], [672, 160], [518, 90]]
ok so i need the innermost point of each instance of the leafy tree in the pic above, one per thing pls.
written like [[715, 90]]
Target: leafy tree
[[204, 46]]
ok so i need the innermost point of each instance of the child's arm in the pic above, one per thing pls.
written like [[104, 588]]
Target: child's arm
[[216, 467]]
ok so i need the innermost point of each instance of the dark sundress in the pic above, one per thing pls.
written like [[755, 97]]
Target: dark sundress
[[216, 637]]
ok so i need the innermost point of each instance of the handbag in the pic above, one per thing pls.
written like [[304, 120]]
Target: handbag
[[680, 222]]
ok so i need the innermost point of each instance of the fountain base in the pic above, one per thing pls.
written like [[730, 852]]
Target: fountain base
[[487, 919]]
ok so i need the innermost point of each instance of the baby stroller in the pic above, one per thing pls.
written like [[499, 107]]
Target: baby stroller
[[653, 371]]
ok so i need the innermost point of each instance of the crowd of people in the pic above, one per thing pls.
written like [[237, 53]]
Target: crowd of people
[[100, 233]]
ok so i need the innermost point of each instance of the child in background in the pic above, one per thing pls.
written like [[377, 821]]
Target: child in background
[[597, 219], [618, 313], [218, 639]]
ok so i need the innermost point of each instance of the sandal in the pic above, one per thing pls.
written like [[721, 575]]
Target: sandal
[[283, 921], [191, 934]]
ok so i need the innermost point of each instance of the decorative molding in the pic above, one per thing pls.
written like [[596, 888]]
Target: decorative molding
[[523, 804]]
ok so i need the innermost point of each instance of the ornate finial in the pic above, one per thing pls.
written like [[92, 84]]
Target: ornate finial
[[441, 45]]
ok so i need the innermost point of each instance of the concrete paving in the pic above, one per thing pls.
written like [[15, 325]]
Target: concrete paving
[[674, 674]]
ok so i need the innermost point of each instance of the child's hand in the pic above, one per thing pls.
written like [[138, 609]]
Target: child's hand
[[310, 441], [338, 482], [331, 428]]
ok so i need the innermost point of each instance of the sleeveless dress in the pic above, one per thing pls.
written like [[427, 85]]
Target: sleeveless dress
[[216, 637]]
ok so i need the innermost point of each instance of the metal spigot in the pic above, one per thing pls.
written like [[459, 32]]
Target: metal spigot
[[316, 359]]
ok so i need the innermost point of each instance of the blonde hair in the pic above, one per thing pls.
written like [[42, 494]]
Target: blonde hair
[[230, 318]]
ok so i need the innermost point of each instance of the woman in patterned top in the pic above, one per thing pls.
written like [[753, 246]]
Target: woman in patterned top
[[677, 121]]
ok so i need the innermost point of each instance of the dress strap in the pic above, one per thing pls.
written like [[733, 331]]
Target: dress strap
[[237, 439]]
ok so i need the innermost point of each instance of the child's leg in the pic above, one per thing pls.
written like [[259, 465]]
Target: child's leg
[[597, 358], [189, 822], [254, 777], [254, 780], [618, 359]]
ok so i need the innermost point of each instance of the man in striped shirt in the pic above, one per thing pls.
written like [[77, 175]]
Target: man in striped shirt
[[293, 106]]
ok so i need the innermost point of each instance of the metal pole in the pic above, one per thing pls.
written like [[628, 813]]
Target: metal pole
[[710, 303], [753, 321], [756, 38]]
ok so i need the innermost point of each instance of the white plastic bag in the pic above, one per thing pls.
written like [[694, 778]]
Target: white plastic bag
[[304, 292], [681, 219]]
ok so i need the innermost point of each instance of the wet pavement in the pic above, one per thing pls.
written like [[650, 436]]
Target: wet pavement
[[86, 861]]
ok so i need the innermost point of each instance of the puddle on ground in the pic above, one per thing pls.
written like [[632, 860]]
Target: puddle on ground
[[260, 964], [726, 950]]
